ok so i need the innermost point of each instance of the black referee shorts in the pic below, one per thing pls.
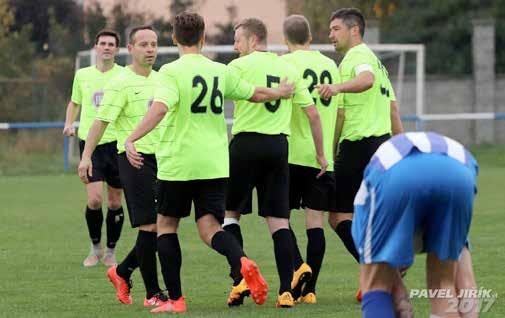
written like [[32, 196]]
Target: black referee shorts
[[105, 165], [139, 185], [307, 191], [350, 164], [259, 161]]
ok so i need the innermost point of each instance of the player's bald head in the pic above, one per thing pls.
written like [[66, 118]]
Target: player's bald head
[[296, 29]]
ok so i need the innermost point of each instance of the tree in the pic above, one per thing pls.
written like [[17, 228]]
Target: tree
[[225, 34]]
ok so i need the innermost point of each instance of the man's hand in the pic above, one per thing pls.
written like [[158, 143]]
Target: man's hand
[[85, 169], [286, 89], [69, 130], [132, 155], [323, 163], [326, 91]]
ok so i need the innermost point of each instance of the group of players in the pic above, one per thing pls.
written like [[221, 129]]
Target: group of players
[[162, 138]]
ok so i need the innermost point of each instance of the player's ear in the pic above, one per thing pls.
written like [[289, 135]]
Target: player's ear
[[130, 47], [174, 39], [202, 40]]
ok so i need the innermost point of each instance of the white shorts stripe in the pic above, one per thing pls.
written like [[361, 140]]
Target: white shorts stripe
[[368, 235]]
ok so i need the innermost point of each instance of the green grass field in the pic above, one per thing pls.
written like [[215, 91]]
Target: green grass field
[[43, 240]]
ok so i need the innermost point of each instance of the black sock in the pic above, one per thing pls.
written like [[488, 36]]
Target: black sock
[[283, 249], [169, 253], [234, 229], [225, 244], [316, 246], [146, 255], [114, 222], [343, 230], [94, 218], [297, 256], [128, 265]]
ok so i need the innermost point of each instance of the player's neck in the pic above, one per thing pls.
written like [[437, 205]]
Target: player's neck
[[183, 50], [104, 66], [141, 70], [298, 47]]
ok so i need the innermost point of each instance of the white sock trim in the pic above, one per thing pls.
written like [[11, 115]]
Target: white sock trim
[[229, 221], [434, 316]]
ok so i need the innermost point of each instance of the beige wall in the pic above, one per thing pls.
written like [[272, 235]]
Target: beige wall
[[272, 12]]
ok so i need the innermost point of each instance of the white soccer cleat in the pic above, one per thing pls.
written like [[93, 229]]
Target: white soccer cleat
[[109, 258], [95, 254]]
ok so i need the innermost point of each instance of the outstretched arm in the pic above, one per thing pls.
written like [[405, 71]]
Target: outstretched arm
[[360, 83], [317, 135]]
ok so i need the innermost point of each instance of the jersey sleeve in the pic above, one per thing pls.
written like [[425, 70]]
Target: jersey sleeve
[[167, 91], [76, 90], [113, 102], [354, 64], [236, 88]]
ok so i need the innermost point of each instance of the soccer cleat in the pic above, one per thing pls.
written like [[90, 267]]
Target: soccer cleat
[[109, 258], [358, 296], [285, 300], [257, 285], [310, 298], [175, 306], [95, 254], [300, 277], [238, 293], [121, 285], [157, 300]]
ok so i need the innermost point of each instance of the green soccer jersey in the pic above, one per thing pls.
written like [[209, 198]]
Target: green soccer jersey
[[315, 69], [87, 91], [195, 144], [367, 113], [127, 99], [271, 118]]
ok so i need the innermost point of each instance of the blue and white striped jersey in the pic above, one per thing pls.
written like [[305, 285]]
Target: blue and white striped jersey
[[399, 147]]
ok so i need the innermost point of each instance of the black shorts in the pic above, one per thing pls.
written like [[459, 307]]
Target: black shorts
[[259, 161], [105, 167], [307, 191], [350, 164], [139, 185], [174, 198]]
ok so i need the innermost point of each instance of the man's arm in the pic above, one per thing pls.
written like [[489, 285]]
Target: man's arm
[[338, 129], [70, 116], [266, 94], [152, 118], [360, 83], [94, 135], [317, 136], [396, 122]]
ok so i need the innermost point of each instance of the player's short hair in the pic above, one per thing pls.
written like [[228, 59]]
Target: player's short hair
[[296, 29], [188, 28], [254, 26], [131, 36], [108, 32], [350, 17]]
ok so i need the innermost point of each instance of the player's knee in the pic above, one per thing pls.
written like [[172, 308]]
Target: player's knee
[[332, 220], [148, 228], [95, 201]]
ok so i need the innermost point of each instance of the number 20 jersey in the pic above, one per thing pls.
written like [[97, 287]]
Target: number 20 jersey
[[194, 145], [315, 69], [271, 118]]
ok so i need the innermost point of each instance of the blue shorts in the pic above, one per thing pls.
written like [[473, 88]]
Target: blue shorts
[[424, 192]]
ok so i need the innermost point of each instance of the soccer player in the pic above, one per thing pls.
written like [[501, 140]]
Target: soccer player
[[126, 101], [259, 149], [370, 114], [315, 194], [415, 182], [87, 91], [193, 156]]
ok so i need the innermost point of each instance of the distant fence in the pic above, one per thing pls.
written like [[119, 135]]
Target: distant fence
[[418, 120]]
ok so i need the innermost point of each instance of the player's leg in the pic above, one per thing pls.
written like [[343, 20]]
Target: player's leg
[[440, 276], [115, 214], [465, 280], [376, 282], [94, 220], [209, 200], [239, 187], [316, 246], [297, 184]]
